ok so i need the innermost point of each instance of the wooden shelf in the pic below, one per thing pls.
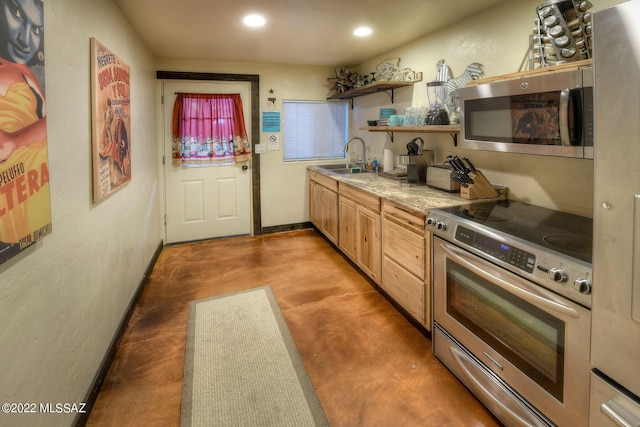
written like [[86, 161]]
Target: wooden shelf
[[537, 71], [452, 130], [414, 129], [382, 86]]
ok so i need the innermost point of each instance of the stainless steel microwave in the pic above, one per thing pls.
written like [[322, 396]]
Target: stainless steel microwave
[[548, 114]]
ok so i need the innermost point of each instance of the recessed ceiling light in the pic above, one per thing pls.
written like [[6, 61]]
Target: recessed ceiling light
[[254, 20], [362, 31]]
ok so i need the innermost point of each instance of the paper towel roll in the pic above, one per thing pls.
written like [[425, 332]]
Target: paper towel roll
[[387, 159]]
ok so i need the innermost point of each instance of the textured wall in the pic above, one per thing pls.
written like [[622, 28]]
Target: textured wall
[[62, 300]]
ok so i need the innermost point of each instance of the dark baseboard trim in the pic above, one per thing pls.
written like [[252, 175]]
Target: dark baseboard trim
[[82, 419], [286, 227]]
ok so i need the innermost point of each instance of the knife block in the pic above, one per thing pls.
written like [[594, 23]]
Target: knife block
[[480, 189]]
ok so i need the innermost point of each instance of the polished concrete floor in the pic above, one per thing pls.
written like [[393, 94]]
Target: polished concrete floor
[[369, 365]]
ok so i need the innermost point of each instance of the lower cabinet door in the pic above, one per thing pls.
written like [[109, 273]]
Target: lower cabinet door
[[347, 227], [330, 215], [406, 289], [368, 251]]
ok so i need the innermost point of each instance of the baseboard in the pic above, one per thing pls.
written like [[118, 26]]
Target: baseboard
[[82, 419], [286, 227]]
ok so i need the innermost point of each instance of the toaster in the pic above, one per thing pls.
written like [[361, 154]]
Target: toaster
[[440, 177]]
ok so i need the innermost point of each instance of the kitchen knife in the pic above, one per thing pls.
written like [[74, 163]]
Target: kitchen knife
[[456, 177], [464, 171], [454, 172], [471, 166], [457, 163]]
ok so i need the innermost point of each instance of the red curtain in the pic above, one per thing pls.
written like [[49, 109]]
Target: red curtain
[[209, 129]]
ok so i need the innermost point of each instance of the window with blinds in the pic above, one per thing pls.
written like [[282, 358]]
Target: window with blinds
[[314, 129]]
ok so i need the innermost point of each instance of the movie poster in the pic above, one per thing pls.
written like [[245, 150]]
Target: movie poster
[[110, 119], [25, 202]]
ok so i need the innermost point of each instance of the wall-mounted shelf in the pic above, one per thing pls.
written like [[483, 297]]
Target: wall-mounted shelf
[[452, 130], [382, 86]]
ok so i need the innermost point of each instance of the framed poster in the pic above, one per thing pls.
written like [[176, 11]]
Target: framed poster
[[25, 201], [110, 121]]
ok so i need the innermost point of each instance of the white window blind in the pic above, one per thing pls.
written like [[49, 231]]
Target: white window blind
[[314, 129]]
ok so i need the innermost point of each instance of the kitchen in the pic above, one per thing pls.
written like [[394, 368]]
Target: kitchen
[[63, 303]]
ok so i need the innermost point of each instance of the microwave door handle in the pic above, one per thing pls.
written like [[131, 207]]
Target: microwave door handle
[[563, 117], [523, 289], [635, 272]]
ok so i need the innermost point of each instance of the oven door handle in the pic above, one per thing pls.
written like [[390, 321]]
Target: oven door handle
[[525, 290]]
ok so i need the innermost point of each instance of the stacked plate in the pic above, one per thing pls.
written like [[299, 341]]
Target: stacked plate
[[385, 113]]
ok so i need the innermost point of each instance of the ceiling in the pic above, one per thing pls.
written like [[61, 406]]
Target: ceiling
[[304, 32]]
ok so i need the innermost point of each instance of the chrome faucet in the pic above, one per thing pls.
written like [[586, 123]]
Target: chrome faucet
[[359, 162]]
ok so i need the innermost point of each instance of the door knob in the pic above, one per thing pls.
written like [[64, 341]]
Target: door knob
[[245, 167]]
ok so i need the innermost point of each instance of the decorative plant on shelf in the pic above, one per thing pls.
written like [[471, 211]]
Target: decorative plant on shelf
[[387, 70], [346, 80]]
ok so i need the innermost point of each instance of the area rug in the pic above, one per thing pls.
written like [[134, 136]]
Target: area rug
[[242, 367]]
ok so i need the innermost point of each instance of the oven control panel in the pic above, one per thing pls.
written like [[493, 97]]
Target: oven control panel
[[516, 257]]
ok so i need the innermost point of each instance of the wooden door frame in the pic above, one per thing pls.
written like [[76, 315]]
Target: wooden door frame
[[254, 79]]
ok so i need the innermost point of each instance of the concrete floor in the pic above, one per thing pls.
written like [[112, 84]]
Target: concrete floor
[[369, 365]]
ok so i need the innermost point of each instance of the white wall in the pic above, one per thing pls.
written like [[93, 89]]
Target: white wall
[[498, 39], [62, 299], [283, 184]]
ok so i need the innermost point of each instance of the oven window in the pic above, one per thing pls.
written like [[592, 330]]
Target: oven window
[[521, 119], [527, 336]]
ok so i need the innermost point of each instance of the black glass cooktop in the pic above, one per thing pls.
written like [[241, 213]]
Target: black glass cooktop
[[569, 234]]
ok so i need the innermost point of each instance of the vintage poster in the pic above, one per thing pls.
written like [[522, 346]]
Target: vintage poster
[[25, 203], [110, 119]]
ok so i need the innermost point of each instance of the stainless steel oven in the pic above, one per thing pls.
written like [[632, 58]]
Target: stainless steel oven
[[511, 317]]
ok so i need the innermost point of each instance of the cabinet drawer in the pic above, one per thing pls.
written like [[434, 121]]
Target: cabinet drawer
[[361, 197], [404, 288], [323, 180], [404, 246], [404, 216]]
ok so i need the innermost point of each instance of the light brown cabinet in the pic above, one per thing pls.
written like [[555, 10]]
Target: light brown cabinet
[[359, 234], [406, 273], [323, 205], [347, 227], [388, 242]]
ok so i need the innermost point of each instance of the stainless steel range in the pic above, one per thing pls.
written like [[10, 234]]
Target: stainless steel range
[[512, 298]]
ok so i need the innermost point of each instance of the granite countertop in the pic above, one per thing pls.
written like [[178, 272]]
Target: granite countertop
[[419, 198]]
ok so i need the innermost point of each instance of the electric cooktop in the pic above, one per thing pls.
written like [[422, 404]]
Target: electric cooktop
[[569, 234]]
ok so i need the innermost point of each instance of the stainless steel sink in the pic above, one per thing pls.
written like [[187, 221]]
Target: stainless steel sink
[[343, 168]]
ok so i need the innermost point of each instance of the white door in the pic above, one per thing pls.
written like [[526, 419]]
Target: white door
[[204, 202]]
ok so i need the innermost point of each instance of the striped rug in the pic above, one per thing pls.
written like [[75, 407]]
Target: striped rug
[[242, 367]]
